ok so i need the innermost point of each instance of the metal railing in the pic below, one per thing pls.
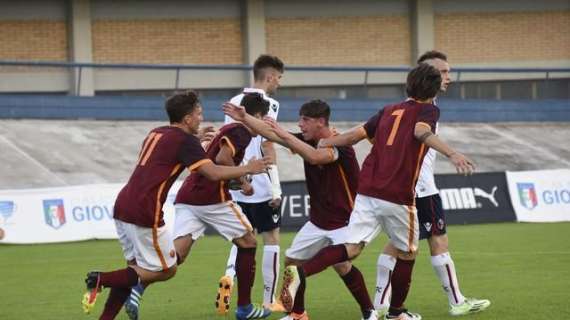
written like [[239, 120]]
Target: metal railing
[[366, 70]]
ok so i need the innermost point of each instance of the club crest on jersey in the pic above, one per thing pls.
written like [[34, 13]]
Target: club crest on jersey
[[274, 107], [527, 195], [54, 213], [427, 225]]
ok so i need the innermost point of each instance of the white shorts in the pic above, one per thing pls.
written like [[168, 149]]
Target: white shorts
[[152, 251], [226, 217], [311, 239], [372, 215]]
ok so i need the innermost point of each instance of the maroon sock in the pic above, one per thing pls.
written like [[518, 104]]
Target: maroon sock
[[124, 278], [115, 301], [354, 281], [299, 303], [401, 279], [325, 258], [245, 272]]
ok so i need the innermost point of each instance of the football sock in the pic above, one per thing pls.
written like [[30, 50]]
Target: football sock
[[270, 272], [123, 278], [231, 264], [384, 268], [354, 281], [401, 279], [325, 258], [245, 271], [115, 301], [299, 303], [445, 270]]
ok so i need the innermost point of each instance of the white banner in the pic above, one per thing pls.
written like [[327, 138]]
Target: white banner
[[540, 196], [63, 214]]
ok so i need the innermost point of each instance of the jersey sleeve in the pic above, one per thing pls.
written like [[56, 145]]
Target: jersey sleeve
[[372, 123], [237, 138], [428, 115], [191, 153]]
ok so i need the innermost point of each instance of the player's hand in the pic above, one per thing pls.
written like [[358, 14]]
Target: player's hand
[[462, 164], [235, 112], [247, 188], [255, 166], [206, 134], [275, 203], [279, 131]]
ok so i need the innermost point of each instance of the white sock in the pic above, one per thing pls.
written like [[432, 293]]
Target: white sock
[[384, 267], [231, 264], [445, 270], [270, 273]]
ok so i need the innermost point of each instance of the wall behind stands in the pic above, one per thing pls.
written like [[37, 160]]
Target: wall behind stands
[[509, 33]]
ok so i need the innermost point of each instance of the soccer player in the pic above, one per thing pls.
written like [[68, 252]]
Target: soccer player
[[147, 245], [201, 202], [330, 207], [401, 134], [261, 207], [432, 226]]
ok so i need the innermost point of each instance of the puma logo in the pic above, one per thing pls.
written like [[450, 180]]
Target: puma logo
[[489, 196]]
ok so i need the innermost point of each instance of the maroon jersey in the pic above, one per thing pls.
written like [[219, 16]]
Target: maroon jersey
[[165, 153], [332, 188], [391, 170], [197, 189]]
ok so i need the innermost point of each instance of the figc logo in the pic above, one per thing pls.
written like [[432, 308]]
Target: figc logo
[[527, 195], [54, 213]]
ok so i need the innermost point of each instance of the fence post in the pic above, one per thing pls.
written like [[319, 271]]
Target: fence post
[[78, 88], [177, 79]]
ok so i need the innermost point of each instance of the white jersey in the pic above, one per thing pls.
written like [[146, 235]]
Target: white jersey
[[426, 180], [260, 182]]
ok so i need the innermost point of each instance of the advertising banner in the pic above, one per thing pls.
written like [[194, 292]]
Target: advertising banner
[[540, 196], [480, 198], [63, 214]]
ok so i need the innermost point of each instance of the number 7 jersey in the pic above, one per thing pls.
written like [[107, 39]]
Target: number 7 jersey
[[391, 169]]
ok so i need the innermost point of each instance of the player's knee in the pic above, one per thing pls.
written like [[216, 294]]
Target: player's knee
[[438, 244], [408, 255], [343, 268], [169, 273], [354, 250], [292, 262], [247, 241], [271, 237]]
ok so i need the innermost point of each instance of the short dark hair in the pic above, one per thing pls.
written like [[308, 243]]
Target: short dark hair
[[181, 104], [423, 82], [254, 104], [263, 62], [316, 109], [433, 54]]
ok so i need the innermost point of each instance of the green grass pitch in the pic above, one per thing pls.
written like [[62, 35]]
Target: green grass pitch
[[524, 269]]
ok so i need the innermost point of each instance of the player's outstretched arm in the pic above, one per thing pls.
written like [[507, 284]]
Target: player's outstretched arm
[[351, 137], [307, 152], [238, 113], [462, 164], [216, 172]]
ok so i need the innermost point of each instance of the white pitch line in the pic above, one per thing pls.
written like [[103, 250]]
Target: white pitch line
[[32, 160], [536, 148]]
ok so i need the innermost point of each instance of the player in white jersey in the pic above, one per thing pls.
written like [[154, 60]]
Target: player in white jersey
[[260, 198], [432, 225]]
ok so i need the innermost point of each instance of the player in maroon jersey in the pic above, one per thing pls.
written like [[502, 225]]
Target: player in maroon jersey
[[401, 134], [330, 207], [201, 202], [147, 245]]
